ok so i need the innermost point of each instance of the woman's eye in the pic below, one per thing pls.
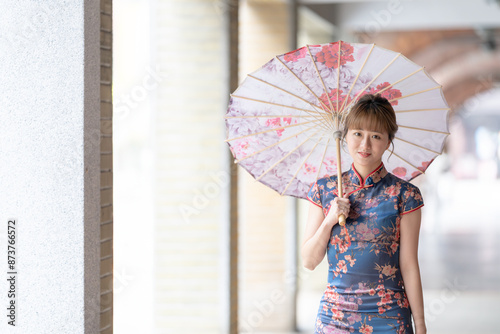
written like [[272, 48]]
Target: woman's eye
[[357, 134], [376, 137]]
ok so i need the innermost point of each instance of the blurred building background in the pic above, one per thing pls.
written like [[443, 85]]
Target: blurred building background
[[173, 211]]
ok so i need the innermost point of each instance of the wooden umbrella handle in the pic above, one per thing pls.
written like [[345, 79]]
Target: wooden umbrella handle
[[337, 136], [342, 220]]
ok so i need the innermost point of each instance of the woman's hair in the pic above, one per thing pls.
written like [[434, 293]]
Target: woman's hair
[[372, 113]]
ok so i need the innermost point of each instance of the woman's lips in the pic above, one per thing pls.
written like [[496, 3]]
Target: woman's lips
[[364, 154]]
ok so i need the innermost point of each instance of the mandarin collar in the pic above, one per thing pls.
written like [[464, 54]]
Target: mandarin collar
[[378, 174]]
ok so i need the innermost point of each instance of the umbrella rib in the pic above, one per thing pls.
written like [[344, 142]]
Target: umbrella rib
[[285, 91], [302, 82], [338, 83], [424, 148], [420, 129], [416, 110], [300, 167], [409, 163], [268, 130], [277, 143], [271, 116], [324, 115], [357, 77], [321, 79], [323, 157], [402, 79], [277, 104], [343, 117], [323, 122], [420, 92], [375, 78], [286, 156]]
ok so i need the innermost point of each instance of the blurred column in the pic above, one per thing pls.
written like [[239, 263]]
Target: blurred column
[[231, 20], [188, 46], [266, 297]]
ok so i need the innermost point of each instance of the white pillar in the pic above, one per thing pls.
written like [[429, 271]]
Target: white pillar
[[49, 163]]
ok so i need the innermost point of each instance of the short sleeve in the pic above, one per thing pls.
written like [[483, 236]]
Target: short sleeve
[[412, 199], [314, 196]]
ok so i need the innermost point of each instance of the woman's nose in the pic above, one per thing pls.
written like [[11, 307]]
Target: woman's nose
[[366, 142]]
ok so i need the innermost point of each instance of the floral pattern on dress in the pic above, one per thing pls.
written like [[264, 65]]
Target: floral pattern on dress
[[365, 291]]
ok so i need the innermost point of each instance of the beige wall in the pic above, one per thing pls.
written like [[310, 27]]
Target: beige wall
[[190, 179]]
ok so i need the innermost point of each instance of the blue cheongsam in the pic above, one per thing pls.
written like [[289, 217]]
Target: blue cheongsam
[[365, 291]]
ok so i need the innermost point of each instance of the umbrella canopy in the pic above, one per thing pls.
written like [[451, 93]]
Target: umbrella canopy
[[281, 120]]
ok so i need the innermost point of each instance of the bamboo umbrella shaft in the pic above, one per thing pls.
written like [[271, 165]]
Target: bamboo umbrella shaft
[[339, 175]]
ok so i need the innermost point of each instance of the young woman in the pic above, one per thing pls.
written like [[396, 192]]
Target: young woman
[[374, 279]]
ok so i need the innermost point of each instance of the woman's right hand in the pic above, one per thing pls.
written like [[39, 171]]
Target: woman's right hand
[[337, 207], [319, 229]]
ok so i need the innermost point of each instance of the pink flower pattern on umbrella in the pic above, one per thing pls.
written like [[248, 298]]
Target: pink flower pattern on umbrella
[[295, 55], [276, 123], [329, 55], [422, 168], [399, 172], [332, 96], [330, 164], [241, 148], [309, 168], [389, 94]]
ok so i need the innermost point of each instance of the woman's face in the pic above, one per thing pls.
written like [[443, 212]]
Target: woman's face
[[366, 147]]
